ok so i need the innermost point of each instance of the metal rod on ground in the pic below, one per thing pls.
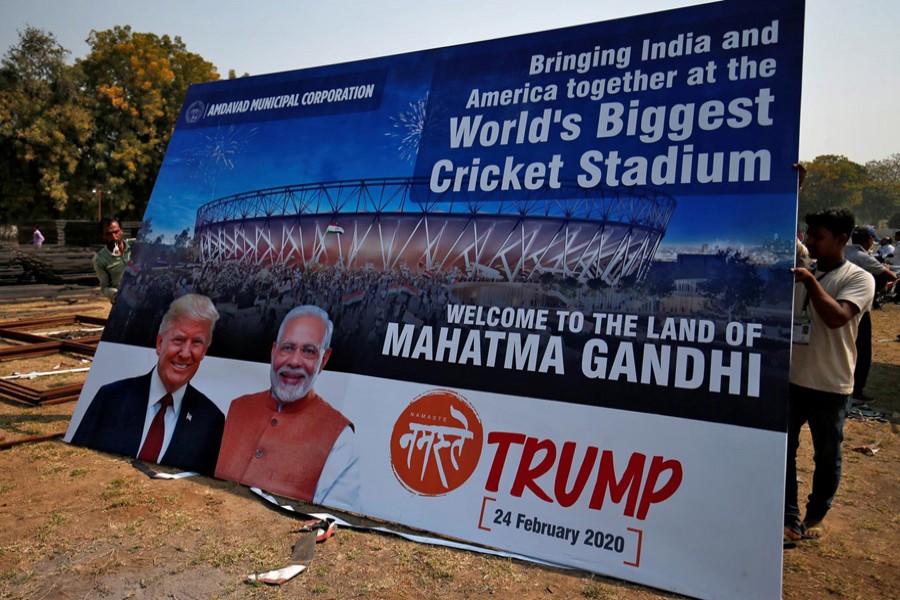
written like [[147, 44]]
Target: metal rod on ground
[[62, 400], [35, 374], [5, 445]]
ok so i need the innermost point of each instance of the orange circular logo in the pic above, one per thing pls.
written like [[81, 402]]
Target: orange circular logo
[[436, 443]]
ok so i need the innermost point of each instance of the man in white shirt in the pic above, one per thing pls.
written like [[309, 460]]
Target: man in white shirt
[[885, 250], [828, 305]]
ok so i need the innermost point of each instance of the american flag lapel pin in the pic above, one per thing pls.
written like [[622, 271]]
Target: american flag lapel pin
[[188, 417]]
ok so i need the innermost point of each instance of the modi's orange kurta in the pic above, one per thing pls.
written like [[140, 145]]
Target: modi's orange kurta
[[280, 452]]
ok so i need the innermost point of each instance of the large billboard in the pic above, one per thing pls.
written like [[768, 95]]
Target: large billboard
[[556, 266]]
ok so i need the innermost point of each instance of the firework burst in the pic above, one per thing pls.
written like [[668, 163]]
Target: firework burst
[[219, 151], [408, 127]]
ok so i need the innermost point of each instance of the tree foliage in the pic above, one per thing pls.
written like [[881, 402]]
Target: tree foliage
[[102, 123], [732, 286], [881, 195], [871, 191], [135, 83], [831, 180], [44, 126], [894, 221], [886, 170]]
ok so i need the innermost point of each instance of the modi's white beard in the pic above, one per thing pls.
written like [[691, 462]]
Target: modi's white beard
[[286, 393]]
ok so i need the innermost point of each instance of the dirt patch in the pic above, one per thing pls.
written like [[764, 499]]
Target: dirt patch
[[83, 524], [47, 372]]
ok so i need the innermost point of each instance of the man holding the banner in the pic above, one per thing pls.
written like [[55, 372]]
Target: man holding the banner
[[287, 439], [159, 417], [828, 306]]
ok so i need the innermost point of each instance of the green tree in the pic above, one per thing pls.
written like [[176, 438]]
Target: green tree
[[881, 194], [44, 126], [658, 283], [183, 239], [880, 201], [733, 285], [886, 170], [832, 180], [136, 83], [145, 229], [894, 221]]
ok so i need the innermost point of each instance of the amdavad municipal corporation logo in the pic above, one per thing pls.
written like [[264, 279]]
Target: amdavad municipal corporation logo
[[195, 112], [436, 443]]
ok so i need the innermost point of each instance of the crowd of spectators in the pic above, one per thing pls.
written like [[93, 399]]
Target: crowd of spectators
[[252, 300]]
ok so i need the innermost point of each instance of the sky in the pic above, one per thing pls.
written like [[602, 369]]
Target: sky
[[850, 87]]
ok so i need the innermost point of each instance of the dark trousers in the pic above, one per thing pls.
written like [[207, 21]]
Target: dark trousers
[[825, 414], [863, 353]]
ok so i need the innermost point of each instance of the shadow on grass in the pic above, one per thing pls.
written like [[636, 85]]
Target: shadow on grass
[[25, 424], [884, 385]]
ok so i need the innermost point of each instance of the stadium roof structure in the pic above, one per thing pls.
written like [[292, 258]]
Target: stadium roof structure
[[389, 222]]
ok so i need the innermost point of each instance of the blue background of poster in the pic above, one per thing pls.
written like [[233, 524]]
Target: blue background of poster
[[240, 150], [229, 142], [225, 154]]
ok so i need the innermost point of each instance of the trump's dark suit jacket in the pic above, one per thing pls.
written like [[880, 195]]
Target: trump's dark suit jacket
[[114, 422]]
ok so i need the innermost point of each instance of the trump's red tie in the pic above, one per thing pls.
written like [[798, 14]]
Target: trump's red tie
[[157, 431]]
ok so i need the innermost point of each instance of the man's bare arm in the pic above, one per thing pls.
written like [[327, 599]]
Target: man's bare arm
[[835, 313]]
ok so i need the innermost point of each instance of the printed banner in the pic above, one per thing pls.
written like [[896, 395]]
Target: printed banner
[[533, 293]]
